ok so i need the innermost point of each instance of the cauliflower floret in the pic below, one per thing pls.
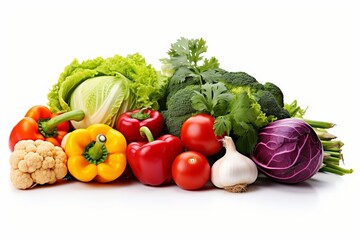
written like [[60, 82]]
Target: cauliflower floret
[[26, 145], [60, 163], [20, 179], [32, 161], [37, 162], [48, 162], [45, 149], [43, 176], [16, 157]]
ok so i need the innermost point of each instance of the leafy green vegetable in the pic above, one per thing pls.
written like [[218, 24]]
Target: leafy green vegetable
[[213, 99], [103, 88], [101, 98], [243, 121]]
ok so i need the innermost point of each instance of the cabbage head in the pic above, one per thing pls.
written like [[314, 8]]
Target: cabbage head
[[288, 151], [105, 88]]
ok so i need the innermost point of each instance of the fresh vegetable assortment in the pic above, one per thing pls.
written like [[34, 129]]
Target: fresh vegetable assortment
[[190, 124]]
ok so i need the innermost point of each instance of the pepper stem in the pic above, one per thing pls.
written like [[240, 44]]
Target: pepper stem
[[96, 152], [145, 132], [141, 115], [47, 127]]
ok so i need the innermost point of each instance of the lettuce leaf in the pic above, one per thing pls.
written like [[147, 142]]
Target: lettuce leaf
[[145, 83]]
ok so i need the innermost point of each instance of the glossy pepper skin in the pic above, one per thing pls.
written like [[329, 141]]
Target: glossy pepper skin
[[40, 123], [129, 124], [151, 161], [96, 153]]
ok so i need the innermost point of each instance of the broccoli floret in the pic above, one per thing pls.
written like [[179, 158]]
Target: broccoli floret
[[269, 96], [270, 106], [276, 92], [179, 108], [173, 124], [240, 79], [179, 104], [175, 86]]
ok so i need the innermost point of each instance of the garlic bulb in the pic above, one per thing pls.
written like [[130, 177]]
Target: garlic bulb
[[234, 171]]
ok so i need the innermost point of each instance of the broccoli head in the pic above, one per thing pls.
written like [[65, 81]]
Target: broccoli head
[[175, 86], [240, 79], [270, 106], [179, 103], [276, 92], [179, 108], [173, 124]]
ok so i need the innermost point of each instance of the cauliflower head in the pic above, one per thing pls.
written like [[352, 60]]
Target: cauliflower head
[[37, 162]]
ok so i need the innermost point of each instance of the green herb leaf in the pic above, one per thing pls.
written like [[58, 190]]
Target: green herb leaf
[[213, 63], [247, 141], [241, 108], [197, 47], [222, 125], [211, 96], [210, 76], [181, 74], [189, 53], [246, 116], [180, 47]]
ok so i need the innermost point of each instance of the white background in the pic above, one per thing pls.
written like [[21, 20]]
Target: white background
[[309, 48]]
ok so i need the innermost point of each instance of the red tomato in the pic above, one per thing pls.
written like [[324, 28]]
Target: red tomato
[[191, 170], [197, 134]]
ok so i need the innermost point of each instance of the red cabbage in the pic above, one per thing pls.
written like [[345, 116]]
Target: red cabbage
[[288, 151]]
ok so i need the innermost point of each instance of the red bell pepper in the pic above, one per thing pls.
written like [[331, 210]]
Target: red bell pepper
[[40, 123], [151, 161], [129, 124]]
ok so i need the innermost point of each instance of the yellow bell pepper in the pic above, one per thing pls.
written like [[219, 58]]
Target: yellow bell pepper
[[96, 153]]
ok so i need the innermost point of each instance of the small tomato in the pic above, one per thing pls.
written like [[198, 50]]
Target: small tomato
[[197, 134], [191, 170]]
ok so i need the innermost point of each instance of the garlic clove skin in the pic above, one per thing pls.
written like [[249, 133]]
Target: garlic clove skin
[[233, 168]]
